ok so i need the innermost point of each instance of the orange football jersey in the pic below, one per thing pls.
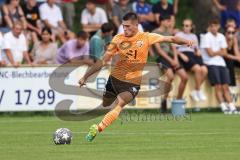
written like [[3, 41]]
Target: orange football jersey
[[133, 54]]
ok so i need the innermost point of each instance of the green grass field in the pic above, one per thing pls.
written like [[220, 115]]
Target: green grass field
[[207, 136]]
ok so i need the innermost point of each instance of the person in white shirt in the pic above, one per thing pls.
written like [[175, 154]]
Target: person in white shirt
[[191, 60], [92, 17], [214, 48], [2, 61], [15, 46], [52, 17]]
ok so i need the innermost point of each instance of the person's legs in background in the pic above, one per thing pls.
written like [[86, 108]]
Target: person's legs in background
[[184, 78], [169, 78], [68, 11]]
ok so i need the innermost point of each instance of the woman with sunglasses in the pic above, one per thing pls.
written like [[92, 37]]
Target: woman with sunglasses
[[233, 55], [191, 60]]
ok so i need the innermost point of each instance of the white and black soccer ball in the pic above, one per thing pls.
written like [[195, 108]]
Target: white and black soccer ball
[[62, 136]]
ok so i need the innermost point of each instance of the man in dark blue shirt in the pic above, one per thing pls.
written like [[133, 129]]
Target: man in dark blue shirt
[[145, 15], [230, 9]]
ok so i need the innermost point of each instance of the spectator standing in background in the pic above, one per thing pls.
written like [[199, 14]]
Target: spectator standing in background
[[214, 48], [233, 54], [104, 3], [2, 2], [99, 41], [68, 11], [145, 15], [15, 46], [31, 11], [168, 60], [75, 51], [44, 52], [172, 2], [163, 8], [52, 18], [107, 5], [119, 10], [191, 60], [12, 12], [229, 9], [92, 17]]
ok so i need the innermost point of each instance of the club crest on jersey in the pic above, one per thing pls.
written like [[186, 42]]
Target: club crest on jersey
[[139, 44], [134, 89]]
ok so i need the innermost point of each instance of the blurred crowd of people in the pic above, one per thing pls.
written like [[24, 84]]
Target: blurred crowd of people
[[40, 32]]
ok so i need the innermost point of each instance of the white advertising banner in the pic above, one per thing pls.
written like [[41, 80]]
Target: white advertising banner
[[28, 89]]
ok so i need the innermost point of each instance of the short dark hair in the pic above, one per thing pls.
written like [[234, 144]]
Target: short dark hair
[[164, 17], [8, 1], [107, 27], [47, 30], [82, 35], [231, 20], [130, 16], [90, 1], [214, 21]]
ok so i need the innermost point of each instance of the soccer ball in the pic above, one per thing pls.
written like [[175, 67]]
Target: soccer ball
[[62, 136]]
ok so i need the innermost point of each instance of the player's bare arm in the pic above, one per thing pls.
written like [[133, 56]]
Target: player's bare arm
[[95, 68], [176, 40]]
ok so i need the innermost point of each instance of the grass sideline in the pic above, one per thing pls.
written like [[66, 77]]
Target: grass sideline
[[208, 136], [50, 113]]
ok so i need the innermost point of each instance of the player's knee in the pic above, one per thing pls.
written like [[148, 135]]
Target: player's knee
[[107, 102], [121, 102]]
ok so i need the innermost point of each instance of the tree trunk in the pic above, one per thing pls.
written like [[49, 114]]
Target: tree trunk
[[204, 11]]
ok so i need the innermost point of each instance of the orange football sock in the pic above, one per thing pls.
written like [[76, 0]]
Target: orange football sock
[[109, 118]]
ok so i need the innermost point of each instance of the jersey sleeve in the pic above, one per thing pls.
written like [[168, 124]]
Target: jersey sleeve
[[112, 47], [154, 38]]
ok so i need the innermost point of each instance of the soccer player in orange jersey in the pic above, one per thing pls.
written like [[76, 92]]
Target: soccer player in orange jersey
[[124, 81]]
